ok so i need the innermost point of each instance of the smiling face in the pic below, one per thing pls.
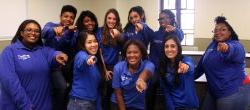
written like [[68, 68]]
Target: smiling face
[[67, 18], [91, 44], [221, 32], [164, 20], [30, 34], [89, 24], [171, 49], [133, 55], [134, 18], [111, 20]]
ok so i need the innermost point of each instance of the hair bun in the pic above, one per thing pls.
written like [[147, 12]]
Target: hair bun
[[220, 19]]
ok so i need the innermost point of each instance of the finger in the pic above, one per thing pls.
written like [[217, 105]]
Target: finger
[[112, 33]]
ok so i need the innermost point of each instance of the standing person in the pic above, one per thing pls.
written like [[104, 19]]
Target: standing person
[[110, 45], [226, 90], [59, 36], [177, 77], [88, 72], [129, 80], [24, 70], [136, 27], [86, 21], [168, 26]]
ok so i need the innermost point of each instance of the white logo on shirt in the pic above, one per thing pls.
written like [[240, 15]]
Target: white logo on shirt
[[23, 57]]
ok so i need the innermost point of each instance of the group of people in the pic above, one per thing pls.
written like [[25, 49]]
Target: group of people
[[85, 67]]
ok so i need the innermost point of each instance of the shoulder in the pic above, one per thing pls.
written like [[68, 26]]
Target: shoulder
[[51, 24], [187, 58], [8, 49], [82, 54], [147, 62], [121, 64]]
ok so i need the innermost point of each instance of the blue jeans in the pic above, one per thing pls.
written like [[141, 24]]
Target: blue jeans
[[236, 101], [79, 104]]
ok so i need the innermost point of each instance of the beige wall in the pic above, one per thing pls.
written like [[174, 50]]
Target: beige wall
[[151, 8], [236, 11], [49, 10]]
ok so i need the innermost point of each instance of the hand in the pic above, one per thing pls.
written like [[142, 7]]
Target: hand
[[62, 58], [72, 28], [183, 68], [138, 27], [91, 60], [59, 30], [114, 33], [222, 47], [170, 28], [141, 85], [108, 75]]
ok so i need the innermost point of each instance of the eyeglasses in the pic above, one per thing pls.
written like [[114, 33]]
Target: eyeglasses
[[164, 18], [219, 30], [30, 31]]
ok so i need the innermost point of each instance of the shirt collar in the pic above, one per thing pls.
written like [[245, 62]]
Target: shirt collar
[[19, 45], [138, 69]]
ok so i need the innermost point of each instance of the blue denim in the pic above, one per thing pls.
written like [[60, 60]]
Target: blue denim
[[236, 101], [79, 104]]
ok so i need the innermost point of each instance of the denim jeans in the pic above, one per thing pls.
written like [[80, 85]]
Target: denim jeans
[[236, 101], [79, 104]]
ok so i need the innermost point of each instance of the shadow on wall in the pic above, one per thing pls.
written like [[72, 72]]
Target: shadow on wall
[[3, 44]]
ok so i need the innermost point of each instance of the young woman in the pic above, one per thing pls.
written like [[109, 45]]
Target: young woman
[[110, 44], [59, 36], [168, 26], [86, 21], [87, 75], [177, 77], [24, 70], [226, 90], [136, 27], [129, 80]]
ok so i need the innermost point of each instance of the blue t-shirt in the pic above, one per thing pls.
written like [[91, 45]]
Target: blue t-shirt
[[126, 81], [224, 71], [86, 78], [157, 46], [24, 76], [183, 95]]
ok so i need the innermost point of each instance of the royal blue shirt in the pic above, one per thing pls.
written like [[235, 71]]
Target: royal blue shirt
[[126, 81], [157, 46], [145, 35], [110, 52], [86, 78], [62, 43], [183, 95], [24, 76], [224, 71]]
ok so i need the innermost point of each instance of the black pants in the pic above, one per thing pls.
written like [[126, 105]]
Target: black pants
[[61, 79], [114, 106], [59, 86], [154, 95], [107, 91]]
